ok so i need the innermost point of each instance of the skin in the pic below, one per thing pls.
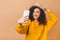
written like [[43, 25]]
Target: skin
[[36, 13]]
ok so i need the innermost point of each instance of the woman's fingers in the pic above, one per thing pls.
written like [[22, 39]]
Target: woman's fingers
[[23, 20], [46, 9]]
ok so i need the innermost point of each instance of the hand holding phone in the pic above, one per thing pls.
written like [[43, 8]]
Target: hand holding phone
[[25, 17], [26, 13]]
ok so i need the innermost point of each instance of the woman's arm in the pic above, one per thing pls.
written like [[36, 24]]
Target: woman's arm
[[22, 29], [53, 19], [22, 26]]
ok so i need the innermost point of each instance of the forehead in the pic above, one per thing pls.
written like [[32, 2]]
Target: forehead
[[36, 9]]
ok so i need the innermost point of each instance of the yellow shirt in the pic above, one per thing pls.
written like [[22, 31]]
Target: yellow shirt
[[36, 31]]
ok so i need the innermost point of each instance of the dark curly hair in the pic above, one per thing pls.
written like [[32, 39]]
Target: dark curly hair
[[42, 17]]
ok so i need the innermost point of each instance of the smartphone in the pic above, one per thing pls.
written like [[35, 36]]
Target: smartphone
[[26, 13]]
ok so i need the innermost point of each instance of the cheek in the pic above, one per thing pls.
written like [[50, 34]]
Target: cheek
[[36, 15]]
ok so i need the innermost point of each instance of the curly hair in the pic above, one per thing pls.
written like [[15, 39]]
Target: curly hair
[[42, 17]]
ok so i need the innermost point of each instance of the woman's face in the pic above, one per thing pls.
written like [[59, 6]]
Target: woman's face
[[36, 13]]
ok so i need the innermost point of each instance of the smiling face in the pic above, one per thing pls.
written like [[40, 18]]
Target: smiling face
[[36, 13]]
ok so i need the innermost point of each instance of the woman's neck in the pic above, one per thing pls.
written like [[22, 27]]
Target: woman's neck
[[35, 20]]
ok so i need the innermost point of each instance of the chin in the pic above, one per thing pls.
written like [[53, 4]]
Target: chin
[[35, 18]]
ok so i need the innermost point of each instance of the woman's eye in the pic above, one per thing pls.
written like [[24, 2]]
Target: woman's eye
[[37, 12]]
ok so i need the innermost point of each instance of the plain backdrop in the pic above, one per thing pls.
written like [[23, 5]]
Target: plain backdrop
[[12, 10]]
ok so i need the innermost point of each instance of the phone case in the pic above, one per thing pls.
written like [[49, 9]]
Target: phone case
[[26, 13]]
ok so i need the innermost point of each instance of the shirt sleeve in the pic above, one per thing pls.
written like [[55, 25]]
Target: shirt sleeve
[[23, 28], [53, 19]]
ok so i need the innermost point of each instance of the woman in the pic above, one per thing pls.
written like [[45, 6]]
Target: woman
[[37, 26]]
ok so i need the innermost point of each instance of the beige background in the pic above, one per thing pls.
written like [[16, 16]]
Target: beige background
[[11, 11]]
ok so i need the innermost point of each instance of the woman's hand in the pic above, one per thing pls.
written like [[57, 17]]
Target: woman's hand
[[22, 21], [46, 9]]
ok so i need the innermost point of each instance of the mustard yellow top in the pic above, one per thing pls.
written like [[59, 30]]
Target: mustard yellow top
[[36, 31]]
